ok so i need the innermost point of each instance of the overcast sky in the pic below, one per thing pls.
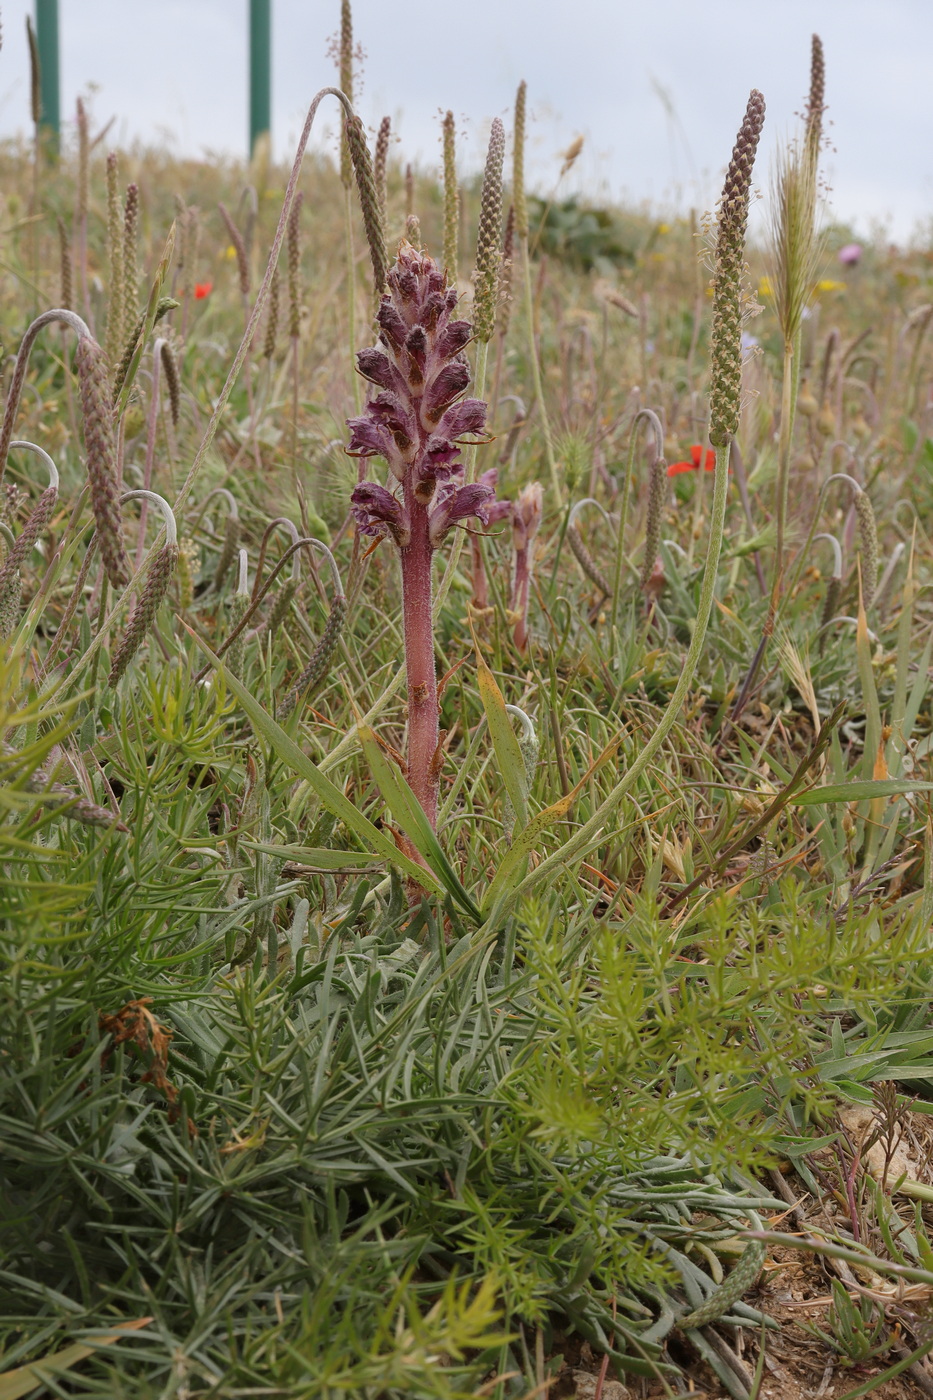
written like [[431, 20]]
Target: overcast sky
[[657, 90]]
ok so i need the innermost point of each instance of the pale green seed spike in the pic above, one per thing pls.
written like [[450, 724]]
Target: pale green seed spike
[[726, 346], [346, 85], [486, 276], [115, 318], [868, 546], [519, 201], [657, 495], [451, 198], [730, 1291]]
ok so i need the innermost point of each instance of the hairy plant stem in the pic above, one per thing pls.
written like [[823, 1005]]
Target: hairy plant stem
[[536, 374], [591, 833], [423, 730]]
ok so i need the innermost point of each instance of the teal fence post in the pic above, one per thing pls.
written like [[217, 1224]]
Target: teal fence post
[[47, 43], [260, 66]]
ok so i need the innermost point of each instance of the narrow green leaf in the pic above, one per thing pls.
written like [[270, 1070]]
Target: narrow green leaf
[[333, 799], [508, 753], [859, 789], [321, 857], [409, 814]]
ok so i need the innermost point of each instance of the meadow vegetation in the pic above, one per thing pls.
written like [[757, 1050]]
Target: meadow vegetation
[[337, 1059]]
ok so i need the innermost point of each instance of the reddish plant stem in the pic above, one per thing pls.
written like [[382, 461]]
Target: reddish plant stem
[[521, 590], [423, 733], [480, 582]]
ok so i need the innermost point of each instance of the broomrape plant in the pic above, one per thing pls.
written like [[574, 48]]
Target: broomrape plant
[[417, 423]]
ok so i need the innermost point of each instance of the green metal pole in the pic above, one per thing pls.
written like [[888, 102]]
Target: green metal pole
[[47, 42], [260, 67]]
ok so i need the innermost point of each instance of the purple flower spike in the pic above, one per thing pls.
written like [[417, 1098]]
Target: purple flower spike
[[850, 255], [416, 420], [418, 417], [377, 512]]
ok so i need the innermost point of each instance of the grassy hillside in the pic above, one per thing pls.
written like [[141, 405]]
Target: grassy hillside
[[304, 1092]]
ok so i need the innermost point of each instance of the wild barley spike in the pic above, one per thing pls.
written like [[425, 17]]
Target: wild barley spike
[[166, 304], [90, 363], [151, 599], [294, 266], [35, 83], [868, 545], [518, 165], [816, 99], [486, 276], [192, 242], [369, 202], [172, 381], [380, 165], [81, 210], [346, 83], [64, 249], [281, 603], [115, 316], [505, 272], [130, 259], [239, 247], [188, 556], [657, 494], [451, 197], [272, 318], [726, 369], [27, 537], [317, 667], [586, 561], [229, 550]]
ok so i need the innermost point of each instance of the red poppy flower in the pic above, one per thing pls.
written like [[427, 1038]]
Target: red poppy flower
[[203, 289], [696, 456]]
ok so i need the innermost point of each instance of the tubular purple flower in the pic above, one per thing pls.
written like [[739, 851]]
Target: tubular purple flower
[[416, 421], [497, 510], [377, 512], [453, 503]]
